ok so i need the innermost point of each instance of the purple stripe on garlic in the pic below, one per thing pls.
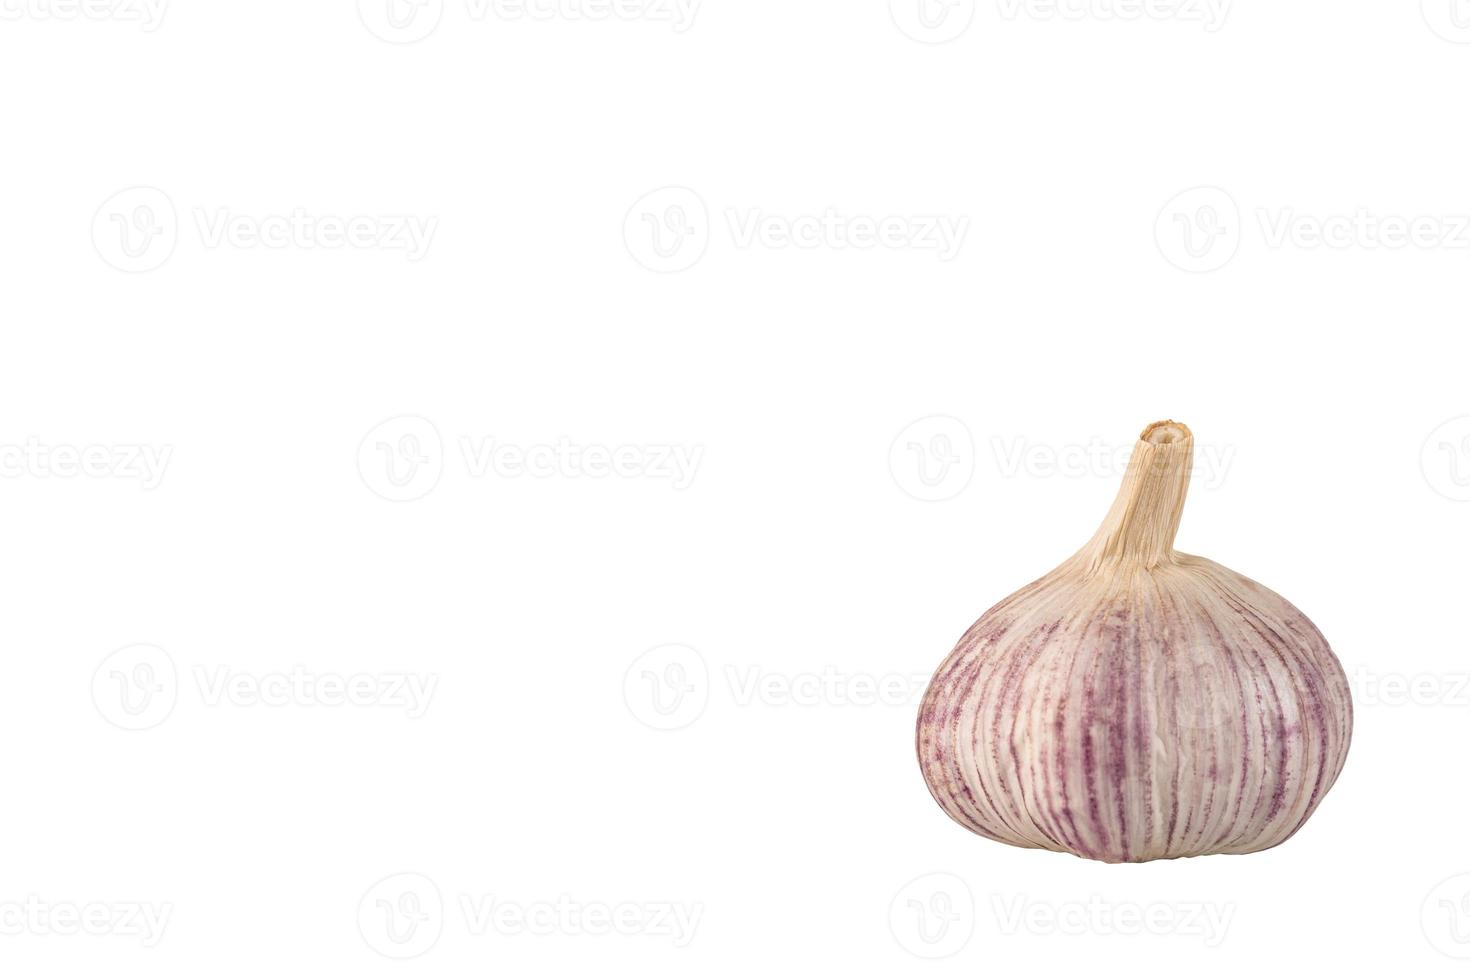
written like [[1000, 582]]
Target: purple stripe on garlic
[[1138, 703]]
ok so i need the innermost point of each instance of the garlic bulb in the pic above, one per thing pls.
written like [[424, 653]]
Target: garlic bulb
[[1138, 703]]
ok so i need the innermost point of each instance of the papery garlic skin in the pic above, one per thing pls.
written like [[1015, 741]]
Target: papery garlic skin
[[1138, 703]]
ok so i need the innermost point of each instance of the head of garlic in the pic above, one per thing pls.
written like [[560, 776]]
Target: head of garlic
[[1138, 703]]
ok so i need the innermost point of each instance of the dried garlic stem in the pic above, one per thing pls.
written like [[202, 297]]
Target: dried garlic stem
[[1141, 525]]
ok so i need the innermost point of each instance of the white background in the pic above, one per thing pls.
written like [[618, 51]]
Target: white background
[[1094, 290]]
